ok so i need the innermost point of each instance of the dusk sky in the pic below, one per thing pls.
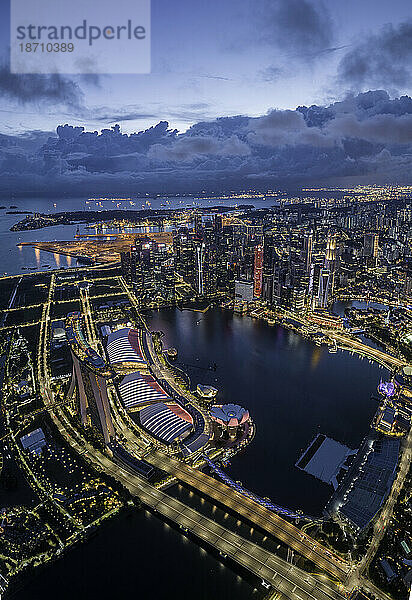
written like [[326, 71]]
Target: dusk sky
[[238, 57]]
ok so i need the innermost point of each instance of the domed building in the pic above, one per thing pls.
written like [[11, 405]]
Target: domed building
[[387, 388], [229, 417]]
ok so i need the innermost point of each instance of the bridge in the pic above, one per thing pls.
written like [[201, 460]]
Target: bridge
[[383, 358], [350, 343], [254, 513], [238, 487]]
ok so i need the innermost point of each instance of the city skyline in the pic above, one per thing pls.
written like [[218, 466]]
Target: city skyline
[[206, 299]]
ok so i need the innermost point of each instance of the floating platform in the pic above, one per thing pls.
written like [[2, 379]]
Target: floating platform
[[324, 459], [206, 391]]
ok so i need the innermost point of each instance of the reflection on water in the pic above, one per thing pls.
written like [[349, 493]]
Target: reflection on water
[[292, 388], [37, 255], [316, 356]]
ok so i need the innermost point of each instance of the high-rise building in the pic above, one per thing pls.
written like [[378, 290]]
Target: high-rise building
[[324, 288], [149, 267], [244, 291], [330, 257], [370, 246], [200, 252], [307, 251], [258, 271], [92, 400]]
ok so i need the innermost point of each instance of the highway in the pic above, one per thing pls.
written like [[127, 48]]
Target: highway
[[263, 518]]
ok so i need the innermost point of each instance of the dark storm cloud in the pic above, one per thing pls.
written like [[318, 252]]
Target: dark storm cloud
[[384, 129], [48, 89], [188, 148], [383, 59], [363, 138], [300, 28]]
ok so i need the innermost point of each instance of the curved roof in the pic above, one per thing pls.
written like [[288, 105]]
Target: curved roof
[[138, 389], [388, 388], [231, 415], [163, 423], [123, 347]]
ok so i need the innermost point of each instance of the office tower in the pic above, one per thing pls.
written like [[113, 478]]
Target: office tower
[[370, 247], [244, 291], [324, 287], [330, 257], [149, 267], [258, 271], [307, 251], [200, 250]]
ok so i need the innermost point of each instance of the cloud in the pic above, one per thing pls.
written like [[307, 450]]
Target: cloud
[[363, 138], [188, 148], [118, 116], [382, 59], [286, 128], [384, 129], [302, 28], [47, 89]]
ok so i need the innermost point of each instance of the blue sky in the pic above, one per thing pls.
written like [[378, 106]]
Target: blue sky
[[217, 58]]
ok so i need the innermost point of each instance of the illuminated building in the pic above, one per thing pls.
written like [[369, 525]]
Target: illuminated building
[[163, 423], [149, 267], [244, 291], [324, 288], [370, 245], [258, 272], [370, 248], [230, 417], [330, 257], [88, 383], [307, 251], [387, 388], [92, 400], [200, 250]]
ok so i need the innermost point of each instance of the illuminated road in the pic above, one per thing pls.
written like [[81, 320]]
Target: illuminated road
[[350, 343], [363, 349], [246, 507], [284, 577], [385, 514], [263, 518]]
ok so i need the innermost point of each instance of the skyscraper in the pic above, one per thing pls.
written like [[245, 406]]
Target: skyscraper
[[258, 271], [200, 249], [324, 288], [370, 247], [307, 250]]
